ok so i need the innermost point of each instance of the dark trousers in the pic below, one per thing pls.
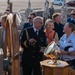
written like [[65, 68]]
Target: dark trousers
[[31, 67]]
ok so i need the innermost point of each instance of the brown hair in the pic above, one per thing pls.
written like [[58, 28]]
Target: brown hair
[[55, 15], [72, 26], [33, 14]]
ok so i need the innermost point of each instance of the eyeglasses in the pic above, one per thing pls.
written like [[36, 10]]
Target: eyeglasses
[[41, 22], [72, 14]]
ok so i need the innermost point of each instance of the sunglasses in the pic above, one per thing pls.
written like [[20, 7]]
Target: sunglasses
[[29, 18], [72, 14]]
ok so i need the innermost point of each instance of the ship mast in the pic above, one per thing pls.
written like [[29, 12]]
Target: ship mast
[[64, 12], [46, 10]]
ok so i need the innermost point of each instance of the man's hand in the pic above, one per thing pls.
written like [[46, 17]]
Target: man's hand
[[32, 41], [42, 49]]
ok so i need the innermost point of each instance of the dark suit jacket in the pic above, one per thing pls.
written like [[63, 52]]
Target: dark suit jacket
[[58, 29], [71, 20], [27, 25], [32, 52]]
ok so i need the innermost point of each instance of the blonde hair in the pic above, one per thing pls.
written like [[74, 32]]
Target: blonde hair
[[47, 21]]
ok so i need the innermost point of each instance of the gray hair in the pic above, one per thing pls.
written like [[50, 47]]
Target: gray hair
[[37, 18]]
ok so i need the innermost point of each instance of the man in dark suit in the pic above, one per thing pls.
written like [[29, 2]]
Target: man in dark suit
[[30, 18], [28, 24], [72, 18], [32, 40]]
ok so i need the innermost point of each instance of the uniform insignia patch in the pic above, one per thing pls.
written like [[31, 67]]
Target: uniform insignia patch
[[69, 41]]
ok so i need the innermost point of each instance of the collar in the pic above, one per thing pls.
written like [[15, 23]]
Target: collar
[[35, 29]]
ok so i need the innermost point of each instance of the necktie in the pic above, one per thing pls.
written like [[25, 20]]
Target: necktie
[[36, 32]]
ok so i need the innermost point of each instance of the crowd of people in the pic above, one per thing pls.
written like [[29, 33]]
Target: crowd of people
[[36, 35], [54, 30]]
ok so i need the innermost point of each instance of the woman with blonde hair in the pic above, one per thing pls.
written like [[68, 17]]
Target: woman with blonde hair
[[50, 33]]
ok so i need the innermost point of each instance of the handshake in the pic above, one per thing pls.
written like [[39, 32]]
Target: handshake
[[32, 41]]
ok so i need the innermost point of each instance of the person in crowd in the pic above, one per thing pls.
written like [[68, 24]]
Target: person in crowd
[[2, 30], [58, 26], [67, 44], [72, 18], [32, 40], [50, 33], [28, 24], [30, 18]]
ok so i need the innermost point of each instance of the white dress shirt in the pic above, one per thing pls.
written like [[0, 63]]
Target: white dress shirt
[[35, 30]]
